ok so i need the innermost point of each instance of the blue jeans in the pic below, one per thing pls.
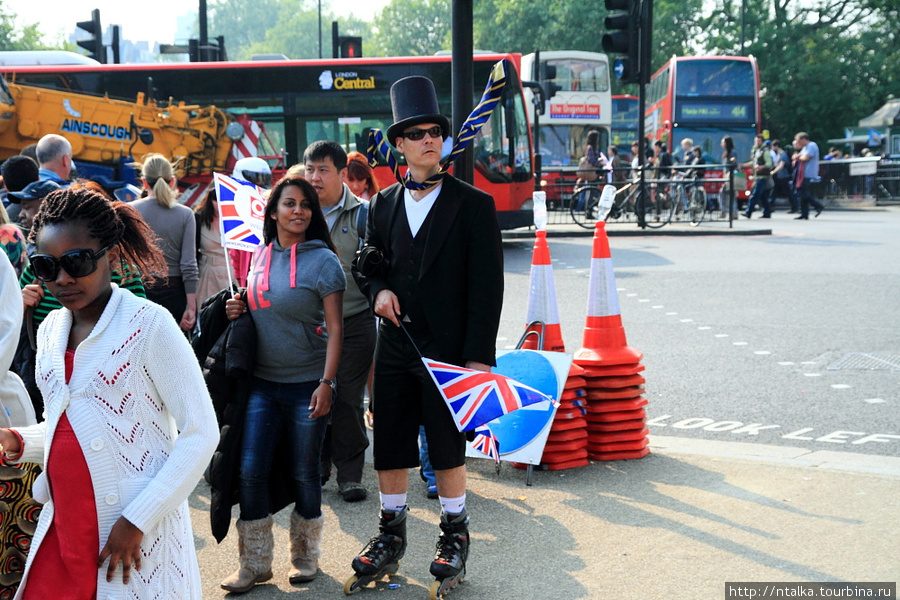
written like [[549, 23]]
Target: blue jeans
[[280, 412], [759, 195]]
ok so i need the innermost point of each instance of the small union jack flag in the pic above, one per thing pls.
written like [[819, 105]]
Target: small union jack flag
[[486, 442], [242, 211], [476, 397]]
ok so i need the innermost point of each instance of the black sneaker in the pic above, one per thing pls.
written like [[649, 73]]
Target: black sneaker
[[352, 491]]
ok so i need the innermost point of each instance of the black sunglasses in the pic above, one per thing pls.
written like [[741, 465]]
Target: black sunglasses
[[77, 263], [417, 134]]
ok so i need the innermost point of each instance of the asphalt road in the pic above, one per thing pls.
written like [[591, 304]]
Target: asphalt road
[[784, 339]]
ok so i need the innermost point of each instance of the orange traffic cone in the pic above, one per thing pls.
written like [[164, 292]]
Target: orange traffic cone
[[542, 299], [604, 337]]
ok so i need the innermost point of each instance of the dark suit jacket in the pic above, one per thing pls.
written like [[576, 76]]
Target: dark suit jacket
[[461, 279]]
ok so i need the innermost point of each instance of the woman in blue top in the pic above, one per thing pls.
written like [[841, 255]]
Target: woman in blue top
[[294, 293]]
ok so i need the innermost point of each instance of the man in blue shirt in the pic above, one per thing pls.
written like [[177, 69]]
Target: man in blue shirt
[[54, 154], [807, 174]]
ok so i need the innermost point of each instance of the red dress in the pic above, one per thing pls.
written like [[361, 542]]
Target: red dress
[[65, 567]]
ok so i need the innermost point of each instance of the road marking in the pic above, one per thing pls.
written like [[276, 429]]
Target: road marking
[[740, 343], [721, 335], [840, 386], [874, 400], [762, 352], [786, 363], [812, 374]]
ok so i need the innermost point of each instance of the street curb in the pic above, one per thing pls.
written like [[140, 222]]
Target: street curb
[[614, 231]]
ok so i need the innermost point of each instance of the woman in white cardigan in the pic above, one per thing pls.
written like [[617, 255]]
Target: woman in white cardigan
[[129, 426]]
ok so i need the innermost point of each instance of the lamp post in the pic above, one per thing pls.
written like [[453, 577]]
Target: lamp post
[[320, 28]]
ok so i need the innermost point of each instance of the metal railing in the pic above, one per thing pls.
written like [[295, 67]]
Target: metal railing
[[560, 187]]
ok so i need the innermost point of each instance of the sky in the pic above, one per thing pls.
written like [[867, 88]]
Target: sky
[[153, 22]]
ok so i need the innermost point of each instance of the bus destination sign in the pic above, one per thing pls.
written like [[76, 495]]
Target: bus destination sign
[[574, 111], [716, 111]]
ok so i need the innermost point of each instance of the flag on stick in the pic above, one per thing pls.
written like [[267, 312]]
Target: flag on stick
[[476, 397], [486, 443], [242, 210]]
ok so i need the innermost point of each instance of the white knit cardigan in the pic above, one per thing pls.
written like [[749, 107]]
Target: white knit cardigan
[[143, 417]]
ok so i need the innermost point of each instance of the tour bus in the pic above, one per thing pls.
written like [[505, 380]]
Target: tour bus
[[625, 123], [583, 103], [293, 103], [705, 98]]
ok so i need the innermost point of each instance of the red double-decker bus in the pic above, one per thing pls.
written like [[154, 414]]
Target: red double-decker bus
[[297, 102], [705, 98], [625, 123]]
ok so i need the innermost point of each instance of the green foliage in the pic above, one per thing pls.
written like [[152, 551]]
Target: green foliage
[[26, 38], [822, 68], [411, 28], [289, 27]]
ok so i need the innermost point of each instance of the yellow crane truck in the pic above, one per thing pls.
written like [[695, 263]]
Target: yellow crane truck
[[107, 135]]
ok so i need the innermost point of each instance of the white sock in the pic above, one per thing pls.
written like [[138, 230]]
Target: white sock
[[453, 505], [394, 502]]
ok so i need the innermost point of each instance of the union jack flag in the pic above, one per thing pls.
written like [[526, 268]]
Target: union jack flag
[[486, 442], [476, 397], [242, 209]]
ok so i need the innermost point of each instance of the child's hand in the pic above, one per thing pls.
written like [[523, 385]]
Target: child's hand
[[124, 544]]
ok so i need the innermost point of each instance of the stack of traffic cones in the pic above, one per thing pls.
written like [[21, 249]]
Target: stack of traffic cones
[[614, 412], [566, 446]]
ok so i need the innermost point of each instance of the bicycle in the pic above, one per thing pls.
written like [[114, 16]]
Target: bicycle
[[585, 204], [655, 206]]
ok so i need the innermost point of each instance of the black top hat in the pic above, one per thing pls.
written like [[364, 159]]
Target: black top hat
[[34, 191], [414, 101]]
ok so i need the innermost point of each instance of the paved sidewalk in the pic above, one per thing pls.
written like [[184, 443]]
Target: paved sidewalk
[[675, 525]]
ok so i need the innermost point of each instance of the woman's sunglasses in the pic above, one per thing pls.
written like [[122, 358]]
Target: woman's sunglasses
[[77, 263], [417, 134]]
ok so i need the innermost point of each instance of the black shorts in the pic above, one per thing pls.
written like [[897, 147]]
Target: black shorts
[[406, 397]]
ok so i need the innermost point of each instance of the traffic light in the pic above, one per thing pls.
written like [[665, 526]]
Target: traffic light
[[623, 37], [94, 44], [350, 46], [548, 80]]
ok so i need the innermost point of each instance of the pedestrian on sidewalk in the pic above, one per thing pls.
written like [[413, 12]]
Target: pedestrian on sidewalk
[[444, 286], [294, 295], [806, 176], [128, 429], [325, 168]]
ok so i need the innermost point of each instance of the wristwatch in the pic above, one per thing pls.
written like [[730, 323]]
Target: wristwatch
[[329, 382]]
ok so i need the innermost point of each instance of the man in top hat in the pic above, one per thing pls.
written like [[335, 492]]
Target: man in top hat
[[440, 294]]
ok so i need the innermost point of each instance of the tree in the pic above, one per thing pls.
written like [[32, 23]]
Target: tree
[[244, 23], [412, 28], [26, 38], [515, 26], [823, 66]]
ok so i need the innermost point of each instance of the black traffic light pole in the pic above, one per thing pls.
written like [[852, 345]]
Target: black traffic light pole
[[462, 73], [93, 45], [630, 33]]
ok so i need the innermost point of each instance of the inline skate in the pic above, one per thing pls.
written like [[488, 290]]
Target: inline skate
[[451, 552], [382, 554]]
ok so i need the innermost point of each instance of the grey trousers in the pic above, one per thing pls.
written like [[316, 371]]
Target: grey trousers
[[346, 439]]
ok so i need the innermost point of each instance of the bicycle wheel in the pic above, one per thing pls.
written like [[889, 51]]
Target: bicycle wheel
[[585, 203], [698, 205], [658, 209]]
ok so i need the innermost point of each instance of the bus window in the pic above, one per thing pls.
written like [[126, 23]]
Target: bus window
[[501, 147], [714, 78], [581, 75]]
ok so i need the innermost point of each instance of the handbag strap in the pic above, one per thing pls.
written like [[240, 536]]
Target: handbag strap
[[29, 322]]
